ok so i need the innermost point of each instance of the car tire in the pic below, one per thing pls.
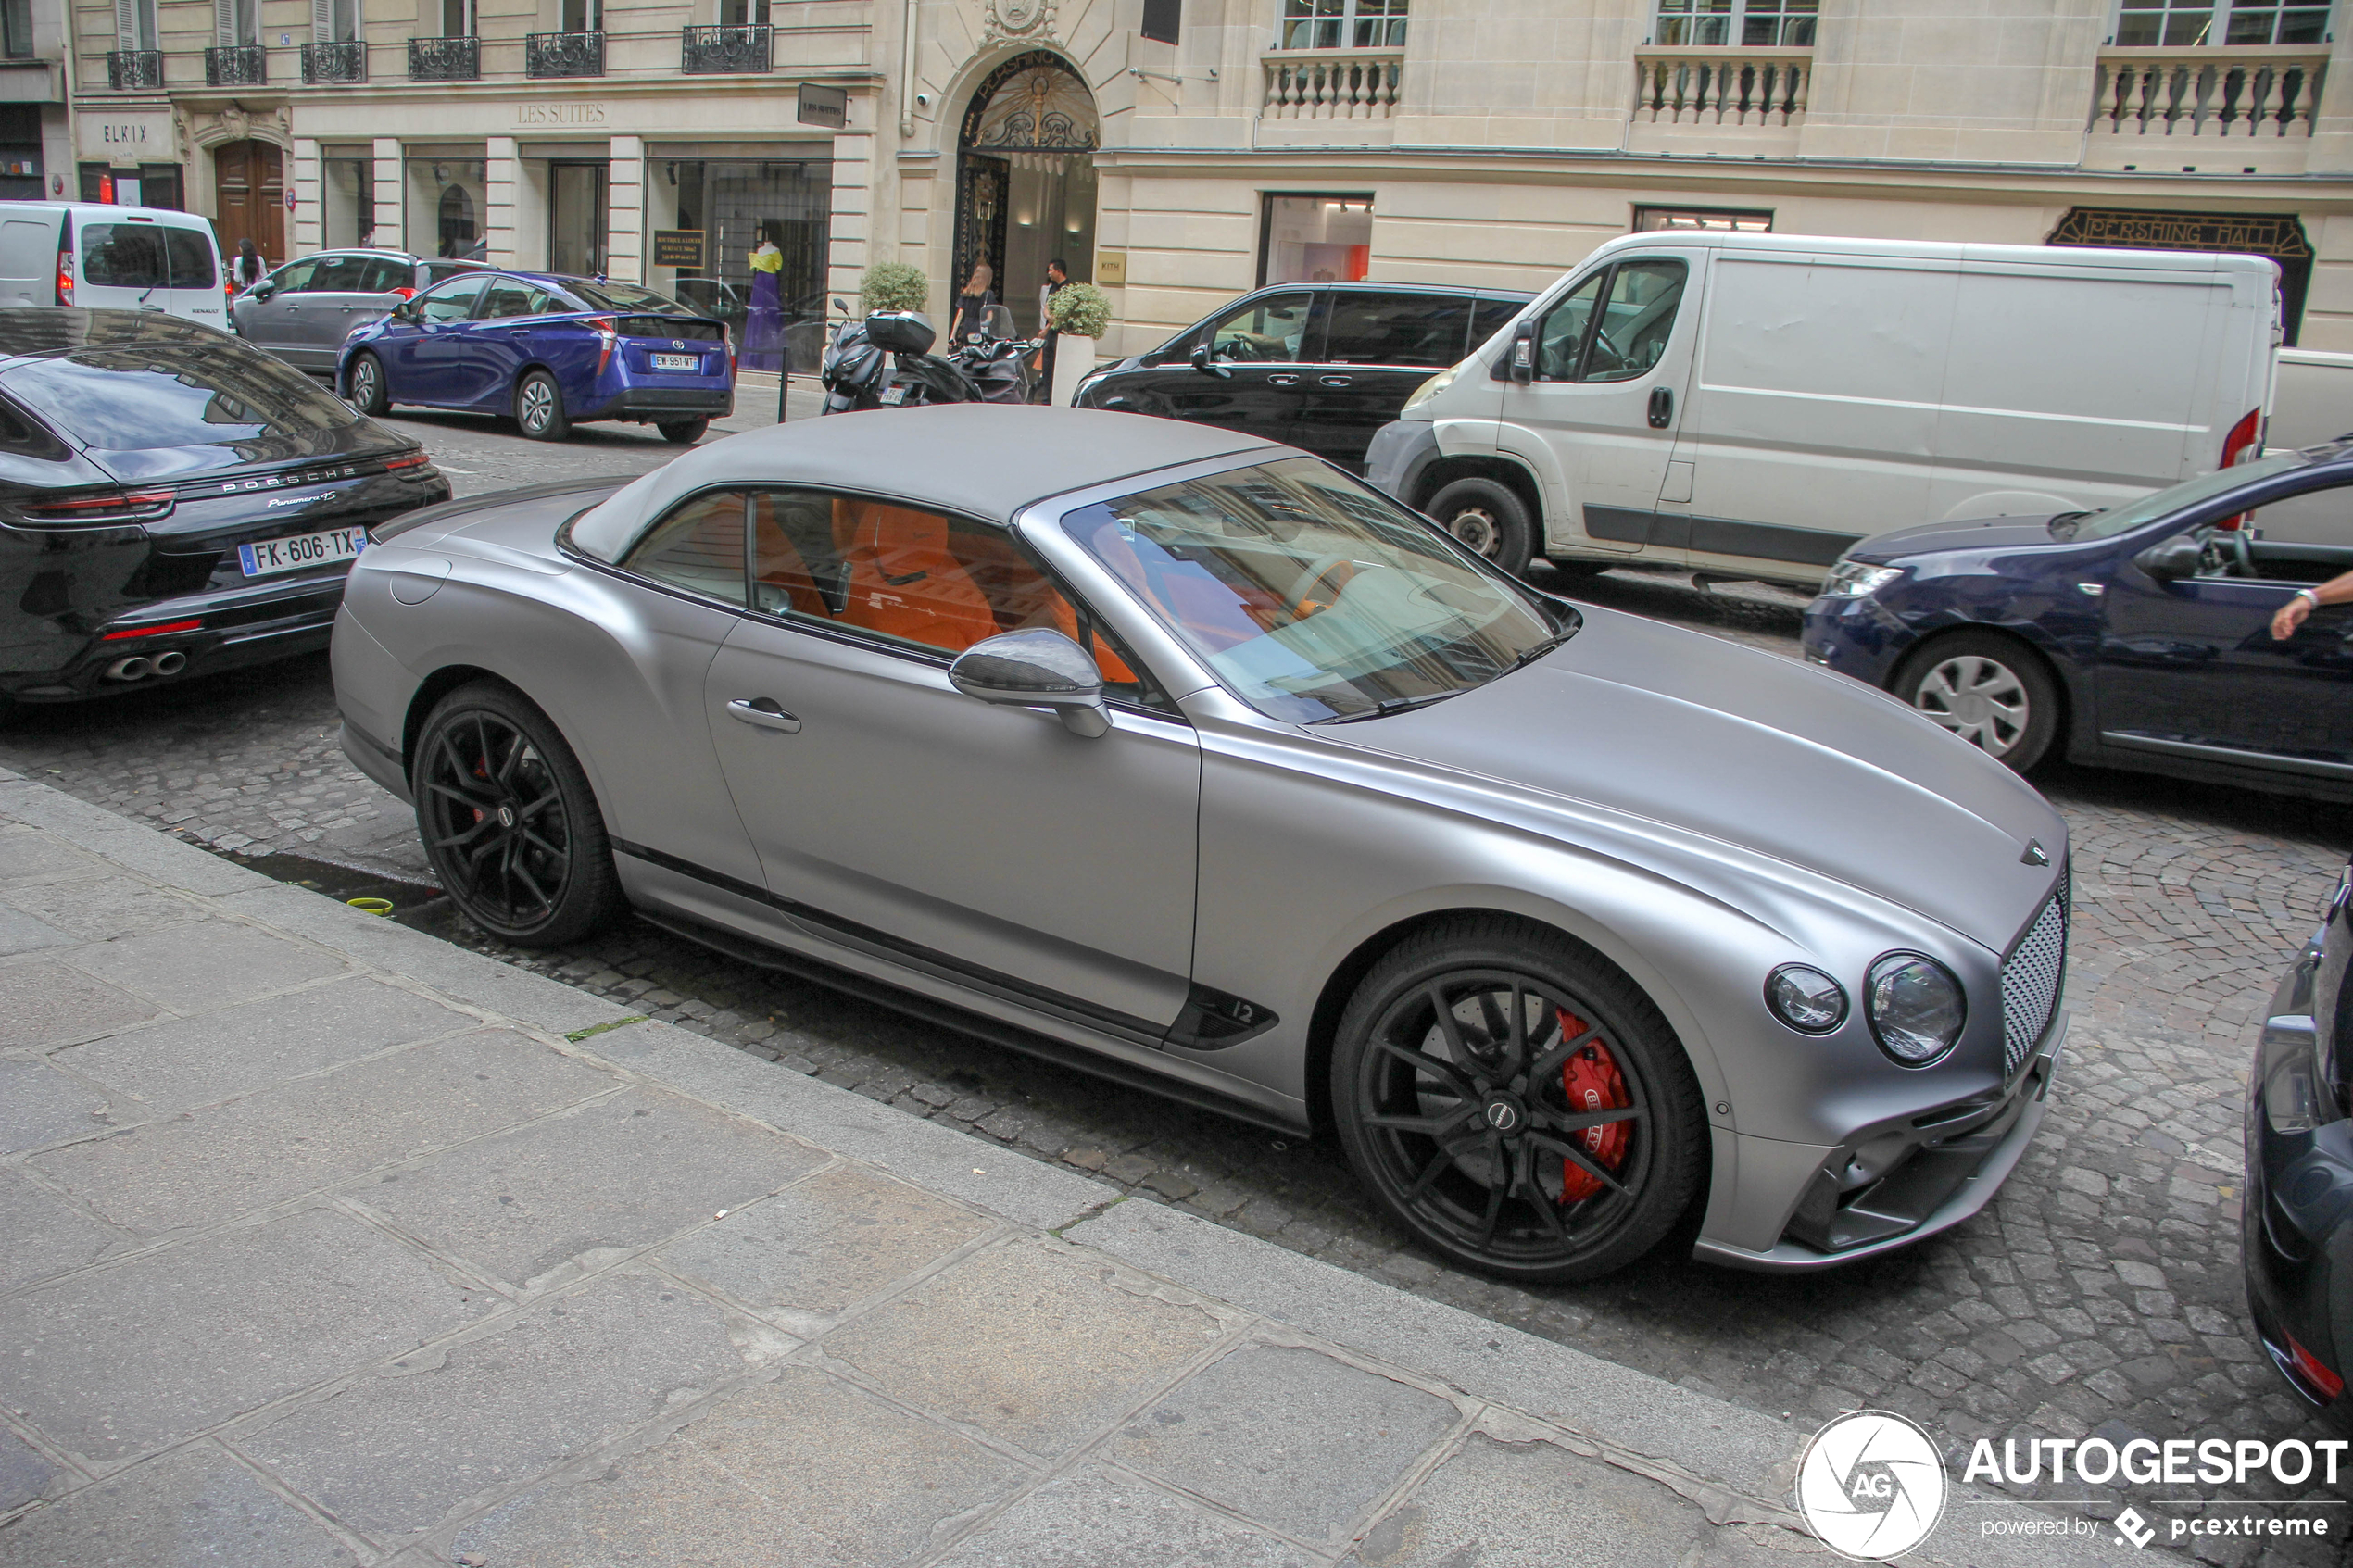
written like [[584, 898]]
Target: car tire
[[1990, 690], [1579, 570], [510, 822], [368, 385], [539, 407], [1425, 1133], [1487, 517], [683, 433]]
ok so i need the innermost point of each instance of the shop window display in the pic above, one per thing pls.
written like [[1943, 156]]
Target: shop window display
[[764, 225], [1316, 239]]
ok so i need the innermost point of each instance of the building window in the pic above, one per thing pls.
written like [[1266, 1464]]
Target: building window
[[135, 24], [1754, 24], [1727, 219], [2189, 24], [456, 19], [743, 13], [1316, 239], [159, 186], [1344, 24], [584, 16], [16, 29], [334, 21]]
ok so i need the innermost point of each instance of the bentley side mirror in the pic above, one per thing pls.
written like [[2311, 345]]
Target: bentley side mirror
[[1036, 669], [1208, 367], [2170, 562], [1524, 355]]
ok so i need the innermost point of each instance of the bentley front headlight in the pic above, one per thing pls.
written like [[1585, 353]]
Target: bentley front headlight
[[1854, 578], [1915, 1007], [1805, 998]]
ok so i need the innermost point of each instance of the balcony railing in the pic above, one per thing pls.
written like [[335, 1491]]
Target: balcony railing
[[445, 59], [563, 54], [1720, 87], [342, 61], [2205, 94], [235, 65], [712, 51], [1332, 84], [131, 69]]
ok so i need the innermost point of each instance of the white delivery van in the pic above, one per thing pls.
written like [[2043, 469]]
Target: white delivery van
[[111, 258], [1751, 405]]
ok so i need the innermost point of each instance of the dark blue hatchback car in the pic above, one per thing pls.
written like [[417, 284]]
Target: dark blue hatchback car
[[2136, 637], [551, 351]]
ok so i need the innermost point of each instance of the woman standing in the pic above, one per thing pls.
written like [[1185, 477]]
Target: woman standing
[[251, 269], [977, 296], [764, 323]]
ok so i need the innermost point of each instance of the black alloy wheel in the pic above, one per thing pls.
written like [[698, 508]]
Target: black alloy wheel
[[368, 385], [1518, 1103], [682, 433], [1487, 517], [509, 820]]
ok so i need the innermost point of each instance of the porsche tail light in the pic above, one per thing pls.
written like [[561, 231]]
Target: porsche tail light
[[114, 507], [167, 629], [2313, 1371], [609, 334], [407, 460]]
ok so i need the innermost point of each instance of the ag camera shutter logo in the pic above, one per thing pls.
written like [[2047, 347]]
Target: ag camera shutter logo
[[1871, 1485]]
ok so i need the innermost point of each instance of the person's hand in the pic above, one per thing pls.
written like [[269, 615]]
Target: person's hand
[[2291, 615]]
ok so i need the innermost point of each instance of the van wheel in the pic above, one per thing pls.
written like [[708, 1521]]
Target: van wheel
[[1485, 516], [368, 385], [1987, 689]]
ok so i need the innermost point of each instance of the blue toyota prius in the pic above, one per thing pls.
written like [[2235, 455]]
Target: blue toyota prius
[[551, 351], [2133, 637]]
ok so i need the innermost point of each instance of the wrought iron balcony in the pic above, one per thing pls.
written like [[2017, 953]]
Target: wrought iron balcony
[[342, 61], [563, 54], [712, 51], [235, 65], [135, 69], [445, 59]]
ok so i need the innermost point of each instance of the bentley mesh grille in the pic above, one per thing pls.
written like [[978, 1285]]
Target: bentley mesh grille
[[2031, 978]]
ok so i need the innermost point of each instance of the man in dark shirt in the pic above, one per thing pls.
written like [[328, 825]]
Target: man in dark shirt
[[1057, 274]]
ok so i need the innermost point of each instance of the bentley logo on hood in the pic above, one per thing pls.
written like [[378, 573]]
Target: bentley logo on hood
[[2035, 854]]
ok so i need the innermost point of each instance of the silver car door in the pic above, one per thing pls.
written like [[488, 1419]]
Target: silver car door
[[273, 324], [986, 846]]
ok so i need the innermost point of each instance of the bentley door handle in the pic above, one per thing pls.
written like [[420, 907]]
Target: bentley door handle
[[1282, 380], [764, 713], [1334, 381]]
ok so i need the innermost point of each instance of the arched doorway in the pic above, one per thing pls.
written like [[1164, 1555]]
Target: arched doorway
[[457, 222], [249, 195], [1025, 179]]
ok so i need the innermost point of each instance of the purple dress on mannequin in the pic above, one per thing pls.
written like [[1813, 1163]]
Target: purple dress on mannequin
[[764, 323]]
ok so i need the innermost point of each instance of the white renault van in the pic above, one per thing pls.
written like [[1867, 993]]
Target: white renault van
[[111, 258], [1749, 406]]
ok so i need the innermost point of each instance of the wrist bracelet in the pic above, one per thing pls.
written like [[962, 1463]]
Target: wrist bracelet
[[2308, 594]]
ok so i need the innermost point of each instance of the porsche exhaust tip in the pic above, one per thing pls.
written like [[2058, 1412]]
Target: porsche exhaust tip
[[138, 667], [171, 663]]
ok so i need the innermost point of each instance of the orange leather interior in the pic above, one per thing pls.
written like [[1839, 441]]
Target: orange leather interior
[[1023, 597], [781, 566], [905, 581]]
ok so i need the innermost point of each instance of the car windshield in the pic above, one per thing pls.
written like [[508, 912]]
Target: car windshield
[[2189, 493], [623, 296], [175, 394], [1311, 597]]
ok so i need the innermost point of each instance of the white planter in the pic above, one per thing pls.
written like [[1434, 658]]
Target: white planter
[[1074, 357]]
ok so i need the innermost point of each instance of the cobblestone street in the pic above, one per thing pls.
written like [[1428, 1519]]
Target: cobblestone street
[[2099, 1293]]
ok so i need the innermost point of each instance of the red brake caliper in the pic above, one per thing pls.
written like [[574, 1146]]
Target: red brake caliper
[[1591, 1081]]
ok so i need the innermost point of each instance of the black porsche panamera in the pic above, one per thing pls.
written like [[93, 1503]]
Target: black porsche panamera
[[174, 502]]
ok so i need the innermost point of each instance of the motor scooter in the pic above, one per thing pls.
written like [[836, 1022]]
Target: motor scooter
[[996, 359], [885, 361]]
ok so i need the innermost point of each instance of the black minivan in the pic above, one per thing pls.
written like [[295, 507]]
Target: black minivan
[[1319, 365]]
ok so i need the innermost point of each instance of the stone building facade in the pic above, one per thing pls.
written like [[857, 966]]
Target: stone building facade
[[1179, 152]]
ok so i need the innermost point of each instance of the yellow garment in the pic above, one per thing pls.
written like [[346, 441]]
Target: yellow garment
[[768, 258]]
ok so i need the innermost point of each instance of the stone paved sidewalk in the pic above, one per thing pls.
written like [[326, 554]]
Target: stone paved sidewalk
[[323, 1242]]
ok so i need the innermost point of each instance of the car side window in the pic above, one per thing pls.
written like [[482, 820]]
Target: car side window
[[190, 258], [1637, 320], [700, 547], [1420, 330], [1273, 330], [450, 302], [338, 274], [295, 277], [913, 577], [512, 296], [1488, 318], [2305, 539], [382, 274], [1560, 336], [441, 271]]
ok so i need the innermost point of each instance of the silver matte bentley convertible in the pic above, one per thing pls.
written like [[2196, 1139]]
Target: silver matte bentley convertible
[[1189, 759]]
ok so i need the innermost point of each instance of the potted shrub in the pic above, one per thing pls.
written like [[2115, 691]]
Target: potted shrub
[[893, 285], [1079, 312]]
